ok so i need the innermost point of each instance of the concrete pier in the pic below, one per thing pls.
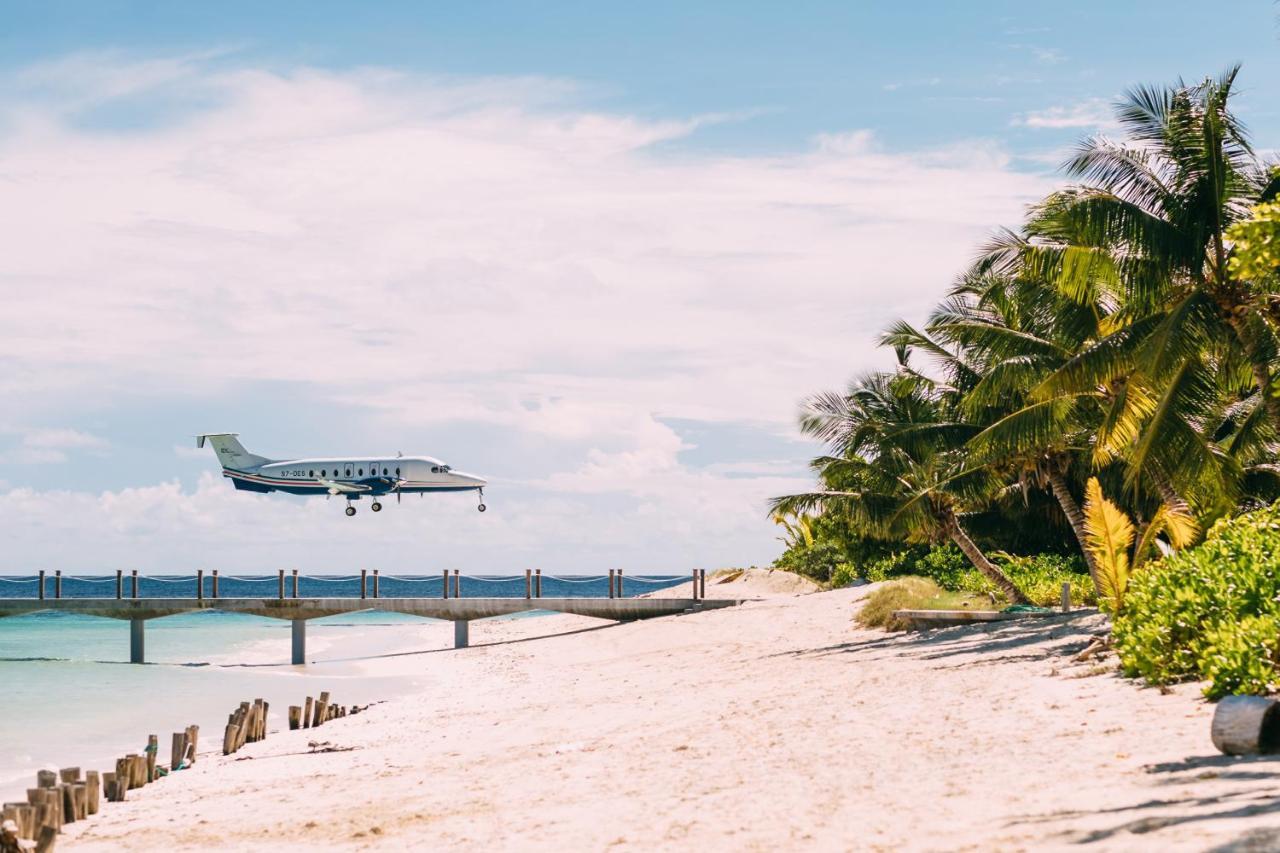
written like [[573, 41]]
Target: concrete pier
[[299, 641], [137, 640], [460, 611]]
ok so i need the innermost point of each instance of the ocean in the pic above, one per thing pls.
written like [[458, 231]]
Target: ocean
[[70, 697]]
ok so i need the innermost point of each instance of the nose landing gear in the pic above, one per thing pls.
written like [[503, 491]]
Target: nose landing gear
[[481, 507]]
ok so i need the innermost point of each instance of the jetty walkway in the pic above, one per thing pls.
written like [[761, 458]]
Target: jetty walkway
[[448, 605]]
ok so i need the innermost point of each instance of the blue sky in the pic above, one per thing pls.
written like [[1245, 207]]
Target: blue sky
[[596, 252]]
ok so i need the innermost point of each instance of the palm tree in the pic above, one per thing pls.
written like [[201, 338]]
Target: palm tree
[[897, 466], [1146, 227]]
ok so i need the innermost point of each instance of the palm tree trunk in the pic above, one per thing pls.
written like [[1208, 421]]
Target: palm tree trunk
[[980, 562], [1169, 495], [1261, 370], [1075, 517]]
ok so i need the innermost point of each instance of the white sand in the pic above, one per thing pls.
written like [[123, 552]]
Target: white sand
[[776, 725]]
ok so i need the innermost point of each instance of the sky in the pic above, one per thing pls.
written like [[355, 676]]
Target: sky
[[597, 253]]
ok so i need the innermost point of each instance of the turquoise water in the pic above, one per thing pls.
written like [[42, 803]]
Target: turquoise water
[[71, 698]]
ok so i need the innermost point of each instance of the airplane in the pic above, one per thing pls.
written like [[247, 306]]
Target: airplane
[[350, 477]]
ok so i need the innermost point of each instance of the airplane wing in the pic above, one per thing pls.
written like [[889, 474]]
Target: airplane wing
[[343, 488]]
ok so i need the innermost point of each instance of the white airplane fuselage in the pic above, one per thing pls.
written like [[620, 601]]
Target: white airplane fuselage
[[350, 477]]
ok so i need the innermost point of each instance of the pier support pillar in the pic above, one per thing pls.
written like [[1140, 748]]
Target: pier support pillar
[[299, 641], [461, 633], [137, 640]]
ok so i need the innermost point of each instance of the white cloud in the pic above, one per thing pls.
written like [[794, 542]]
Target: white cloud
[[484, 251], [49, 445], [1091, 113]]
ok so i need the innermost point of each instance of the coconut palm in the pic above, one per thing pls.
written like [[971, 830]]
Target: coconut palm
[[897, 466]]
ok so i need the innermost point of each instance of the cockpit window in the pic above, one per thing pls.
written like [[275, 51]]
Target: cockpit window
[[435, 469]]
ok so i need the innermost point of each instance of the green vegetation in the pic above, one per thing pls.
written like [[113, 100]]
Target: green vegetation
[[1212, 611], [1097, 388]]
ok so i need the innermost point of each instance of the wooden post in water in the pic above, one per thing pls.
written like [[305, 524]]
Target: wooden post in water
[[457, 584], [537, 583], [199, 584], [215, 583], [42, 584], [295, 583], [445, 590], [1066, 597], [281, 585], [133, 583], [528, 583], [611, 583], [57, 584], [375, 583], [364, 576], [119, 584]]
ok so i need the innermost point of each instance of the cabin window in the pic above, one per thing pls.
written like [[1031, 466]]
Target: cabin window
[[384, 472], [435, 469], [348, 472], [397, 472], [311, 473], [360, 471]]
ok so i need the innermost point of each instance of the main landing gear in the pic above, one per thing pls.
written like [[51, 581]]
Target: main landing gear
[[351, 510], [375, 506]]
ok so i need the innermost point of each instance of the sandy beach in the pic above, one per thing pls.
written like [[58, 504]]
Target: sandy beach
[[775, 725]]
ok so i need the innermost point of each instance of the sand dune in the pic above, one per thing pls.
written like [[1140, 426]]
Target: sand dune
[[776, 725]]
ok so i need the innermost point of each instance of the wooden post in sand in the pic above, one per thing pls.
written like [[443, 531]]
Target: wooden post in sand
[[93, 787], [153, 752], [1066, 597], [177, 748], [295, 717], [306, 713], [1246, 725], [193, 742], [322, 708]]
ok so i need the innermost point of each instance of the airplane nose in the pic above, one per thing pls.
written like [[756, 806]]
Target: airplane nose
[[471, 479]]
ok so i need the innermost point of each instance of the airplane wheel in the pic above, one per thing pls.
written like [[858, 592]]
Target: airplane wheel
[[376, 507], [481, 507], [351, 510]]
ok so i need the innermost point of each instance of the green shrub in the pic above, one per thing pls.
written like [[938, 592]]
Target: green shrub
[[1206, 612], [816, 561], [843, 575], [1040, 576], [907, 593]]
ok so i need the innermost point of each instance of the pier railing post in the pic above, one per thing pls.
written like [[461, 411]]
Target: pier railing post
[[702, 584], [119, 583], [137, 640], [364, 573], [611, 583], [199, 584], [695, 584], [295, 583], [444, 593], [133, 583], [528, 583], [375, 583], [537, 583], [457, 584], [620, 583], [42, 584], [57, 584], [215, 583], [281, 591]]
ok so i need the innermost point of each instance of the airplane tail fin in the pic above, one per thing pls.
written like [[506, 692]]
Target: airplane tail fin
[[231, 452]]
